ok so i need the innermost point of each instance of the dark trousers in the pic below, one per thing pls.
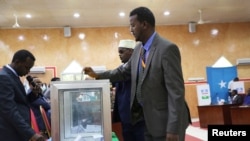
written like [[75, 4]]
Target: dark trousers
[[133, 132], [149, 137]]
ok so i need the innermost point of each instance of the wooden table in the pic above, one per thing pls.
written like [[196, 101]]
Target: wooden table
[[240, 114], [214, 115]]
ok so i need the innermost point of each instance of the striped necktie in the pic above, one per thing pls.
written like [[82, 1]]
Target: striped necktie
[[143, 58]]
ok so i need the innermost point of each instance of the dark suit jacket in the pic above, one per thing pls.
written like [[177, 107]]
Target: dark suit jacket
[[237, 100], [14, 108], [121, 112], [163, 88]]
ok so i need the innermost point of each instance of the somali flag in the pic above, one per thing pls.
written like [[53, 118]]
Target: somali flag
[[218, 79]]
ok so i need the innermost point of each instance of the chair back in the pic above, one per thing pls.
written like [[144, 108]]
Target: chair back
[[45, 120], [34, 124]]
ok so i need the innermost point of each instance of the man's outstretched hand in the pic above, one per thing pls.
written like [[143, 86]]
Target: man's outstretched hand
[[90, 72]]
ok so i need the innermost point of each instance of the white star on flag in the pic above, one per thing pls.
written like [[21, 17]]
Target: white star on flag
[[222, 84]]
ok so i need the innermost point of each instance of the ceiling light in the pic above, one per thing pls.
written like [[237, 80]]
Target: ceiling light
[[45, 37], [214, 32], [28, 16], [81, 36], [121, 14], [166, 13], [76, 15], [21, 38]]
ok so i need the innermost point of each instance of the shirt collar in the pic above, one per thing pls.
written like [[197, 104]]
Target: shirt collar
[[8, 66], [149, 42]]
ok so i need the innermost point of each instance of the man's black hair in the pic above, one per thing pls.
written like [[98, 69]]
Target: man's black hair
[[144, 14], [22, 55]]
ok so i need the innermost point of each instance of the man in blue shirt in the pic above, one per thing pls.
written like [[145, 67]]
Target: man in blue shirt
[[157, 84]]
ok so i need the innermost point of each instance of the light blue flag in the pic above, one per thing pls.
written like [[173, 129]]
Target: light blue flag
[[218, 79]]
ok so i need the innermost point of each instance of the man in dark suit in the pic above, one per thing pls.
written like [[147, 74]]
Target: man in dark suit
[[236, 98], [15, 119], [158, 91], [121, 112]]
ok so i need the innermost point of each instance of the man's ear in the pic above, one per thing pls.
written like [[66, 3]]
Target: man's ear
[[145, 24]]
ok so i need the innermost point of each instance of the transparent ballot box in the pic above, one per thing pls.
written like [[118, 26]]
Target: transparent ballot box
[[80, 110]]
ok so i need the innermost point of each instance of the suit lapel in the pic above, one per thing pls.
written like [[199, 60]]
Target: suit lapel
[[150, 56], [138, 57]]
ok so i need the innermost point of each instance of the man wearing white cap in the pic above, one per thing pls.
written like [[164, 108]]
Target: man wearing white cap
[[121, 111]]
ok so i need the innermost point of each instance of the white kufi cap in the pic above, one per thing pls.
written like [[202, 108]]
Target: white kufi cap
[[127, 44]]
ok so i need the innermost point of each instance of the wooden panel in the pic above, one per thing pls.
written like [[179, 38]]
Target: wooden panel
[[240, 115], [214, 115]]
